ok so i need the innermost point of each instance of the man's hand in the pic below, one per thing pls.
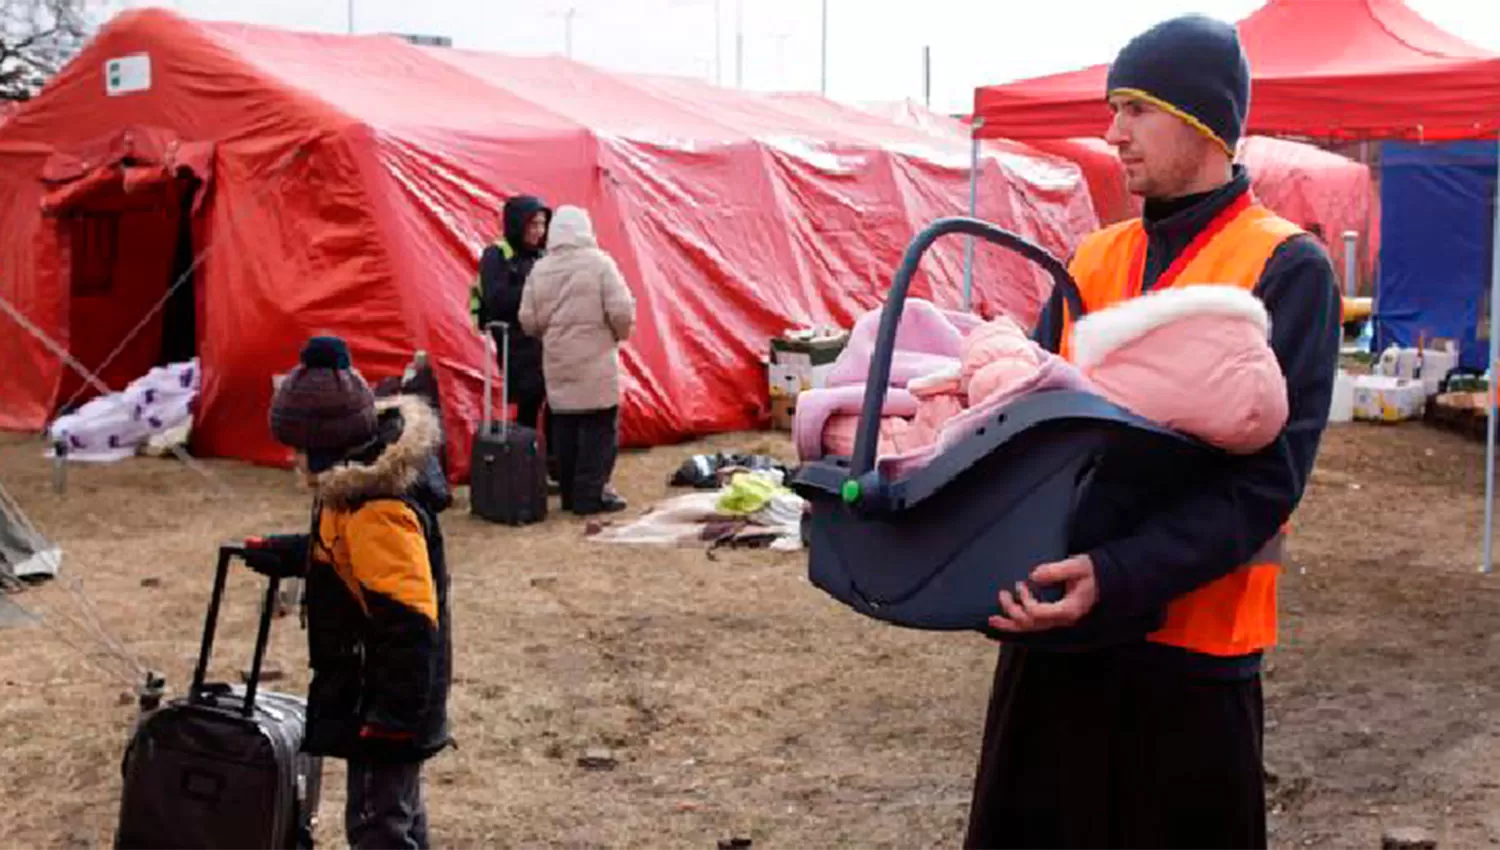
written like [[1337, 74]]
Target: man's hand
[[1022, 611]]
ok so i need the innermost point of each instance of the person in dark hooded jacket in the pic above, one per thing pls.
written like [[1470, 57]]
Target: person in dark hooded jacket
[[503, 270], [376, 586]]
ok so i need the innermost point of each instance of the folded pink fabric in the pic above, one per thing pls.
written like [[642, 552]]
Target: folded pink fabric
[[898, 435], [1194, 358], [964, 323], [1053, 374], [940, 397], [927, 340], [996, 356], [818, 410]]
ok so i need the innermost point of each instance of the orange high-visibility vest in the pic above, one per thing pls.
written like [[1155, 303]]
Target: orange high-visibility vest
[[1235, 614]]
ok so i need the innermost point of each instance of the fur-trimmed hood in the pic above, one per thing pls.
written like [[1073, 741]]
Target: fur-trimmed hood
[[410, 433]]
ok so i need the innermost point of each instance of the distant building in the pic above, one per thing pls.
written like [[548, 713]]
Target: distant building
[[425, 40]]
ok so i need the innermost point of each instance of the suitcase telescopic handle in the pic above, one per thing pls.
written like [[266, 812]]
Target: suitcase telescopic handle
[[489, 366], [863, 483], [198, 692]]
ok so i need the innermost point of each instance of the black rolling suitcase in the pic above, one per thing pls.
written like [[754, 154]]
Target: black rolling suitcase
[[222, 766], [507, 469]]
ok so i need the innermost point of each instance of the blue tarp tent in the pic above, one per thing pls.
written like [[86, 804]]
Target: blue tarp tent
[[1437, 218]]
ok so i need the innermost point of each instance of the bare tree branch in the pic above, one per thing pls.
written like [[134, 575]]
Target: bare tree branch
[[38, 37]]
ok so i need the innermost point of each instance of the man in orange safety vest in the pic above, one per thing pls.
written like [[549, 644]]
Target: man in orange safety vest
[[1156, 741]]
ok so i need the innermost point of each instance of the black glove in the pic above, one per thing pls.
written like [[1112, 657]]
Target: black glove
[[277, 556]]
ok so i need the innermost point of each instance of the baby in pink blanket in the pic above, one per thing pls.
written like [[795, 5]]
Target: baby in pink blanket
[[1195, 359]]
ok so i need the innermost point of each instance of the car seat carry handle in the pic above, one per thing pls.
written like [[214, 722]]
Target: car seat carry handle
[[866, 440], [198, 692]]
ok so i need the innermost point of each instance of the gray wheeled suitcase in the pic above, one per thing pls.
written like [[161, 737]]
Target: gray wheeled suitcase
[[508, 467], [221, 767]]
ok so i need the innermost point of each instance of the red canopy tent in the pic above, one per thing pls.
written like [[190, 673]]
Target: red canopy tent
[[328, 183], [1322, 69], [1302, 182]]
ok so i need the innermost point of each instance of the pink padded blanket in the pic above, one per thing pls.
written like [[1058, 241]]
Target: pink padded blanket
[[1195, 359], [928, 341]]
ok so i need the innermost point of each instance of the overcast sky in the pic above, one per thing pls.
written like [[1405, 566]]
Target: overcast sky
[[874, 46]]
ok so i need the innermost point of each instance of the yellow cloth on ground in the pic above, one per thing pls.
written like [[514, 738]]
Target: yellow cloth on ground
[[748, 493]]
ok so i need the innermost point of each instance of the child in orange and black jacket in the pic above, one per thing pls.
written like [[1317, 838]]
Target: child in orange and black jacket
[[377, 587]]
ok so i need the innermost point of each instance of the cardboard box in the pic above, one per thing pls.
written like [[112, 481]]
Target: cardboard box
[[799, 361], [785, 386], [809, 355], [1436, 360], [783, 412], [809, 347], [1382, 398]]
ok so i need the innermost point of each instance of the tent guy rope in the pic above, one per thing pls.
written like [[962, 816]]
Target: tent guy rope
[[68, 359], [276, 173], [123, 664]]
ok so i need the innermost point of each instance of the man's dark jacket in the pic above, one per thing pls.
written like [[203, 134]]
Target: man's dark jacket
[[501, 282]]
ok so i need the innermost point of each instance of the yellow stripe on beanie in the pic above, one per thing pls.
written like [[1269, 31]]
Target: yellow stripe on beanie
[[1192, 120]]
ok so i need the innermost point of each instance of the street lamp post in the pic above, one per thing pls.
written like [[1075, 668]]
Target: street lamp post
[[718, 74], [823, 85], [567, 14], [927, 75]]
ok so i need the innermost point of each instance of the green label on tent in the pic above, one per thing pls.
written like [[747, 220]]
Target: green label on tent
[[127, 74]]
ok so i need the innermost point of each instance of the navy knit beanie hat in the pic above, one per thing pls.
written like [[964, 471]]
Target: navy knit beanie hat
[[324, 408], [1193, 67]]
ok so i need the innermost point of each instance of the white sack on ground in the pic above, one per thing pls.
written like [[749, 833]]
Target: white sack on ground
[[113, 427]]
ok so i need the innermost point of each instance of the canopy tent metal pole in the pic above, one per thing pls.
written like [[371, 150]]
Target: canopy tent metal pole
[[973, 213], [1489, 404], [1351, 262]]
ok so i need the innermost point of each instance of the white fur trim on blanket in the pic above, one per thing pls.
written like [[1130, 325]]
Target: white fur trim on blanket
[[1098, 334]]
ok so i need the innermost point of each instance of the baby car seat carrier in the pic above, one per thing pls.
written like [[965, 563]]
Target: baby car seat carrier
[[1049, 475]]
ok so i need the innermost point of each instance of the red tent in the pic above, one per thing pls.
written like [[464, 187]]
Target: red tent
[[1302, 182], [325, 183], [1327, 69], [1309, 185], [1101, 165]]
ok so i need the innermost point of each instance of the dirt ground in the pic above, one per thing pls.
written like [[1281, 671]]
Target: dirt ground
[[740, 702]]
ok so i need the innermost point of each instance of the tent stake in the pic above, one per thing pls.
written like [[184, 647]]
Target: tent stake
[[60, 467]]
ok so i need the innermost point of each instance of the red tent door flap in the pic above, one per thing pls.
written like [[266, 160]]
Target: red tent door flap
[[124, 243]]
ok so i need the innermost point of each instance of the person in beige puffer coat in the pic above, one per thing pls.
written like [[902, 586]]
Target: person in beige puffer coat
[[577, 303]]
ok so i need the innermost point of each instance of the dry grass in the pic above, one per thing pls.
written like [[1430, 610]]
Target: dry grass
[[740, 701]]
